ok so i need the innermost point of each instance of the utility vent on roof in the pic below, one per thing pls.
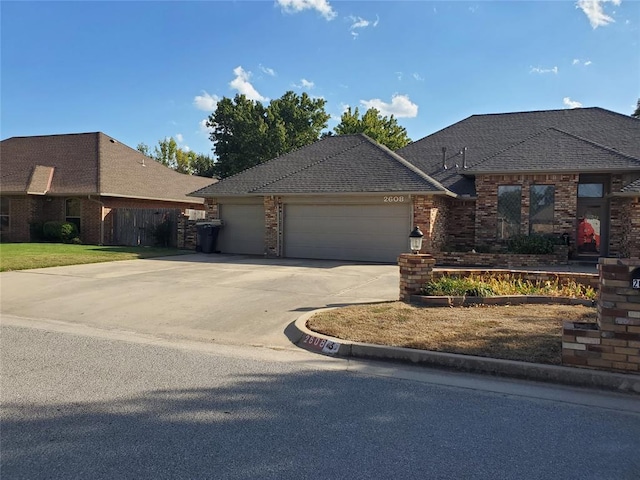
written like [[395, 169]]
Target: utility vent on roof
[[462, 152]]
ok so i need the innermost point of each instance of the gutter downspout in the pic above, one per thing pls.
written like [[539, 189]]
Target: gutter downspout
[[101, 217]]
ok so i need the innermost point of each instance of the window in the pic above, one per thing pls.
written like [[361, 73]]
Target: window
[[73, 211], [4, 214], [590, 190], [542, 203], [509, 211]]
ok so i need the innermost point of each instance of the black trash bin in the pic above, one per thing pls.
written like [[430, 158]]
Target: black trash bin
[[207, 236]]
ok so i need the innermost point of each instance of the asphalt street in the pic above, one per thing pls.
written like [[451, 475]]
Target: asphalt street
[[93, 404]]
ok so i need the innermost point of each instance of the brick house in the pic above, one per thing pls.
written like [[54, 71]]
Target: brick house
[[89, 179], [473, 184]]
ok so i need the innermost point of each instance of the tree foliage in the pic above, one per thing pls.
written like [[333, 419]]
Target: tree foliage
[[382, 129], [245, 133], [636, 113], [168, 153]]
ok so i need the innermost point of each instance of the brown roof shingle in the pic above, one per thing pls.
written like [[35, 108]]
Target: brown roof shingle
[[91, 164]]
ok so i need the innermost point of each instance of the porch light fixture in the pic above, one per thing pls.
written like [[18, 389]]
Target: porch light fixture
[[415, 239]]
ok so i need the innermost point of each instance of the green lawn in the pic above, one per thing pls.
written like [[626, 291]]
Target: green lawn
[[22, 256]]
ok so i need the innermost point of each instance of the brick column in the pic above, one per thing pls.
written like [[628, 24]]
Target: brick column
[[272, 226], [415, 271], [619, 313], [614, 343]]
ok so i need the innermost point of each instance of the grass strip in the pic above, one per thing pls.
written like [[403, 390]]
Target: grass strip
[[528, 333], [22, 256]]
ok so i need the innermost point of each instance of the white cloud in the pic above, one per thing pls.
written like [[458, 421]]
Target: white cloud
[[206, 102], [203, 126], [269, 71], [571, 103], [577, 61], [416, 76], [587, 63], [186, 148], [243, 86], [553, 70], [295, 6], [401, 106], [399, 76], [594, 11], [304, 83], [359, 22], [179, 138]]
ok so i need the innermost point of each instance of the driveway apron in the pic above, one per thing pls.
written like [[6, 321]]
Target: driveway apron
[[216, 298]]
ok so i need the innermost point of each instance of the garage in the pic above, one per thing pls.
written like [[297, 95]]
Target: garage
[[358, 232], [243, 228]]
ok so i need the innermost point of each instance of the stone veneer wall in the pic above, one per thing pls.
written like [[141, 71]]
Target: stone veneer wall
[[272, 208], [187, 233], [486, 220], [614, 342], [415, 271], [559, 257], [430, 213], [460, 227]]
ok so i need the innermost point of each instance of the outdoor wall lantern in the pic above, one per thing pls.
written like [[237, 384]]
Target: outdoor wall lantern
[[415, 239]]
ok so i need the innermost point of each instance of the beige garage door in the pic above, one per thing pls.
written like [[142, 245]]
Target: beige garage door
[[373, 233], [242, 230]]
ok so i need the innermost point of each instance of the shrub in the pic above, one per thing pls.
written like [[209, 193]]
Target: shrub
[[530, 245], [162, 233], [487, 285], [60, 232], [36, 233], [454, 286]]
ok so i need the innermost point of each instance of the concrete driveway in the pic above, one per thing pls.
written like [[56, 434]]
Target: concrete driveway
[[220, 298]]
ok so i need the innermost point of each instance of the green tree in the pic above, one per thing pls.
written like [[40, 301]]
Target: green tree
[[203, 166], [245, 133], [636, 113], [382, 129], [168, 153], [144, 149]]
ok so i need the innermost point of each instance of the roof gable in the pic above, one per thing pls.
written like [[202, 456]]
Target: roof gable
[[553, 150], [89, 164], [336, 164], [486, 135]]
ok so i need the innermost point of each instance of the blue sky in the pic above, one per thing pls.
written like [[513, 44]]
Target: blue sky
[[143, 71]]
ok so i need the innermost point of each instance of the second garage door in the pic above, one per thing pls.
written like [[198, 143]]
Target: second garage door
[[374, 233], [242, 230]]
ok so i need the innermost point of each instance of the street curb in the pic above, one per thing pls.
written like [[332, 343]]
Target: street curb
[[301, 336]]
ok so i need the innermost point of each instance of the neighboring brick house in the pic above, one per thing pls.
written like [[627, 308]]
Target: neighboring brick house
[[87, 179], [473, 184]]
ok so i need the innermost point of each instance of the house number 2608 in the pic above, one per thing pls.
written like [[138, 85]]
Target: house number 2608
[[393, 199]]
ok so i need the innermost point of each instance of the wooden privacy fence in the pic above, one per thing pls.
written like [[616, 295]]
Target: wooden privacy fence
[[138, 226]]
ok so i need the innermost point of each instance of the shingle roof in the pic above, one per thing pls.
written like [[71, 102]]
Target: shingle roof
[[486, 135], [90, 164], [633, 189], [336, 164], [553, 150]]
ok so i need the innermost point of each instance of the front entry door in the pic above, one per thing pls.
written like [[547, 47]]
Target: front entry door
[[590, 239]]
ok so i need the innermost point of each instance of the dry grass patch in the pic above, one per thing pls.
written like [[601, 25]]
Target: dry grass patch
[[529, 333]]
